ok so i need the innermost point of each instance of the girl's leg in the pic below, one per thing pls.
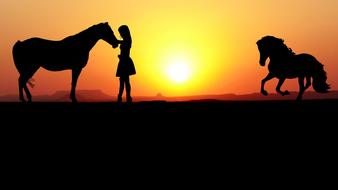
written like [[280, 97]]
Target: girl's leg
[[128, 89], [119, 98]]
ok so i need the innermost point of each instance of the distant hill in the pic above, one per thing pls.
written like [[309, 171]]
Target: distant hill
[[99, 96], [82, 95], [63, 96]]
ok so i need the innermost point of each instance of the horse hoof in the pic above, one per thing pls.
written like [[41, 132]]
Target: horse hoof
[[74, 101], [265, 93], [119, 100], [286, 93]]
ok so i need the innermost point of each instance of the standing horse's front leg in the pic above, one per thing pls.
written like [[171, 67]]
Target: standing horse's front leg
[[279, 85], [75, 76], [267, 78]]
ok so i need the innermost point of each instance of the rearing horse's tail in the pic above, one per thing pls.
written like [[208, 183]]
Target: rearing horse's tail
[[319, 78]]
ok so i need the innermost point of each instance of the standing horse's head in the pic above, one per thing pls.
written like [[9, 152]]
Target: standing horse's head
[[265, 46], [107, 34]]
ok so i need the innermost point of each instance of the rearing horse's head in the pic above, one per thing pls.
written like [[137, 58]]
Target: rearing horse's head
[[265, 46], [107, 34]]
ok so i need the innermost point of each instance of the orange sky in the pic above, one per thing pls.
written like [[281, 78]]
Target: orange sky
[[216, 39]]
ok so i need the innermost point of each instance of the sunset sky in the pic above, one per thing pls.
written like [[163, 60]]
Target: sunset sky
[[180, 47]]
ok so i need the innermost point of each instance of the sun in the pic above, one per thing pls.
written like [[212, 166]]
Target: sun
[[178, 70]]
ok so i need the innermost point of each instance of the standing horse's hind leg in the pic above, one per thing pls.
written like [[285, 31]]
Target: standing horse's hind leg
[[21, 86], [25, 78], [301, 88], [75, 76]]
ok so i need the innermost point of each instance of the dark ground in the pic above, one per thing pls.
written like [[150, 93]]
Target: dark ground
[[154, 123], [181, 140], [175, 117], [220, 112]]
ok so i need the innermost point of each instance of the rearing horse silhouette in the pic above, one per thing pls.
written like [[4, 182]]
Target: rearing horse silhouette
[[70, 53], [285, 64]]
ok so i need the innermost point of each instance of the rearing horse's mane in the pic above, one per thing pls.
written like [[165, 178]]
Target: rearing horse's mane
[[271, 41]]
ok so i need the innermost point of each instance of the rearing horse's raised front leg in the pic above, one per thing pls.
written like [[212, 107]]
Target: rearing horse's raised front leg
[[267, 78], [279, 85], [75, 76]]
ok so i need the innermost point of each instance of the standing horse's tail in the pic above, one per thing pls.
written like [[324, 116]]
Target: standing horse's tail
[[319, 78], [16, 56], [18, 61]]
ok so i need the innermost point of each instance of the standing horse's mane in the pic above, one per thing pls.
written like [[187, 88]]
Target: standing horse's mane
[[85, 32]]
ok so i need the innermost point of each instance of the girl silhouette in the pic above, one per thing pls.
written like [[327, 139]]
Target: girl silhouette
[[126, 66]]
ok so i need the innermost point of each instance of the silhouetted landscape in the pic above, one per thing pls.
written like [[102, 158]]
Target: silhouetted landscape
[[202, 111], [186, 48], [100, 96], [167, 130]]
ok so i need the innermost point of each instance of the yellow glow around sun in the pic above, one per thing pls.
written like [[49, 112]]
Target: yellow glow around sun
[[178, 70]]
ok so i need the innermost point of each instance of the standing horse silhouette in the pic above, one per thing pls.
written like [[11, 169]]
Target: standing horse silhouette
[[70, 53], [285, 64]]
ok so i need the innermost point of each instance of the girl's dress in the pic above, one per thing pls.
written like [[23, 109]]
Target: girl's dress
[[126, 65]]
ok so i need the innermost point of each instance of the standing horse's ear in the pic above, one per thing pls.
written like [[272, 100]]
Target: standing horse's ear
[[259, 42]]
